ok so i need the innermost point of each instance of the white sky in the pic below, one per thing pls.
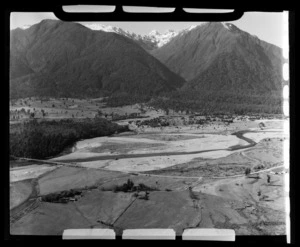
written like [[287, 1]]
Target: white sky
[[266, 26]]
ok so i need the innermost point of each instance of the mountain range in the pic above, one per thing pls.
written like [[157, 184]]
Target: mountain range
[[67, 59], [212, 65], [149, 41]]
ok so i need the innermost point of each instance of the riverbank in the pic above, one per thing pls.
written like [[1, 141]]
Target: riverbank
[[44, 139], [227, 198]]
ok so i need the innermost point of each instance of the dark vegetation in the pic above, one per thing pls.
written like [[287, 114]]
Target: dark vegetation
[[213, 56], [226, 69], [62, 197], [219, 102], [42, 139], [247, 171], [154, 122], [242, 76], [207, 101], [117, 117], [65, 59], [130, 187], [258, 167]]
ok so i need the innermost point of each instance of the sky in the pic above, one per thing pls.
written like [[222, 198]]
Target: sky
[[266, 26]]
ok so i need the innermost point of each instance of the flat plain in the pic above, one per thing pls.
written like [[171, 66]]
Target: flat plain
[[194, 175]]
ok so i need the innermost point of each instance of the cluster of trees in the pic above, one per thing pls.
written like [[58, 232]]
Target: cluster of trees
[[21, 114], [130, 187], [117, 117], [42, 139], [215, 102], [61, 197], [154, 122], [204, 102]]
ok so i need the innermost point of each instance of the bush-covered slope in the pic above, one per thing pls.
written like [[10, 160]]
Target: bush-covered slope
[[226, 69], [56, 58]]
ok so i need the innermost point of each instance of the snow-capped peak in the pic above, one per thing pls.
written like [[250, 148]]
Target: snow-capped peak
[[95, 26], [25, 27], [101, 27], [155, 37], [192, 27], [154, 33], [161, 38]]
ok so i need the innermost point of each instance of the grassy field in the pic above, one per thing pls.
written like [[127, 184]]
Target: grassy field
[[249, 205], [230, 204], [61, 108], [19, 192]]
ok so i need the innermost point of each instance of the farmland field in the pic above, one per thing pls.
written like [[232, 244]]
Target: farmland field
[[208, 160]]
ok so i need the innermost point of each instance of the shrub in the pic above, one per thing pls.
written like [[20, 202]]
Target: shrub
[[125, 187], [61, 197], [247, 171], [259, 167], [129, 187]]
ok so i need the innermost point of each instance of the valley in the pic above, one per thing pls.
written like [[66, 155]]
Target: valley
[[113, 129], [169, 162]]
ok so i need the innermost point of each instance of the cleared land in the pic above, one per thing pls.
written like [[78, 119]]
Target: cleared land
[[29, 172], [220, 195], [66, 178], [19, 192]]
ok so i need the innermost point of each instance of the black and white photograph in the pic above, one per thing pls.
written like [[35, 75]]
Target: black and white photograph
[[168, 125]]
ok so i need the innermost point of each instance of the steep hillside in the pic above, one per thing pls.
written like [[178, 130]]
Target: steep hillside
[[190, 53], [226, 68], [56, 58]]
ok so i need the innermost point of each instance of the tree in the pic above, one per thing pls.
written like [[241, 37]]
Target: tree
[[247, 171], [130, 184], [268, 178], [147, 195], [261, 125]]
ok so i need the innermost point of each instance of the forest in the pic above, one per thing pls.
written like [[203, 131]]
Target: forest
[[44, 139], [204, 102]]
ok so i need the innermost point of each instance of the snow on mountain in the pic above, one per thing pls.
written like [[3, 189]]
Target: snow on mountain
[[154, 37], [25, 27], [167, 36], [105, 28], [154, 33], [95, 26], [162, 39]]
